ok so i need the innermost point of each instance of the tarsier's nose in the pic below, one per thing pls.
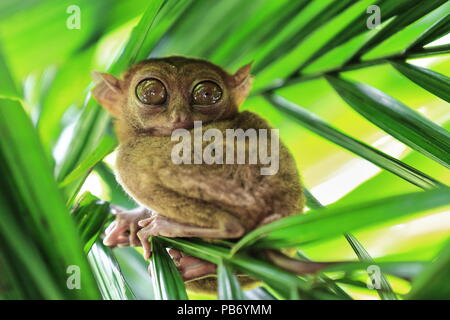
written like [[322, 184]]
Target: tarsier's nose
[[177, 117], [180, 120]]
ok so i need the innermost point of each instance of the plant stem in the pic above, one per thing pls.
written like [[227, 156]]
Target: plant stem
[[295, 77]]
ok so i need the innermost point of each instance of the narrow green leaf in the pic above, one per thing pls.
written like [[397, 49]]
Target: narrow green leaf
[[222, 16], [34, 191], [259, 293], [8, 88], [90, 215], [134, 270], [296, 78], [264, 24], [36, 35], [311, 201], [437, 30], [324, 223], [18, 249], [332, 284], [395, 118], [168, 15], [438, 84], [166, 280], [433, 282], [356, 27], [89, 130], [74, 73], [93, 122], [401, 269], [139, 35], [318, 126], [442, 49], [106, 145], [329, 283], [385, 292], [331, 10], [116, 192], [107, 272], [412, 14], [283, 282], [228, 285], [35, 222]]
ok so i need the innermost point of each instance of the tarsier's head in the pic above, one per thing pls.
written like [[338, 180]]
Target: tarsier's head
[[160, 95]]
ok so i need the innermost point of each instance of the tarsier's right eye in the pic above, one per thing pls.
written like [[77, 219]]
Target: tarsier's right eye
[[206, 93], [151, 91]]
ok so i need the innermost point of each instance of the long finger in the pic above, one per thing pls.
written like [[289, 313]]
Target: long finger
[[116, 235], [145, 222], [111, 226], [145, 244], [133, 239]]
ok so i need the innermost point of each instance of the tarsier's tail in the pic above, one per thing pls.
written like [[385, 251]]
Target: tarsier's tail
[[294, 265], [208, 285]]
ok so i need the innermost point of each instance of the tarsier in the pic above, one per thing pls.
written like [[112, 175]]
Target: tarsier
[[209, 201]]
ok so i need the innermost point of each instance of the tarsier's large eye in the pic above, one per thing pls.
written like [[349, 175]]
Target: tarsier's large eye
[[206, 92], [151, 91]]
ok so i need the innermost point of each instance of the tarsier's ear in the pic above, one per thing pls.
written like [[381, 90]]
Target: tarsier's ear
[[108, 92], [242, 83]]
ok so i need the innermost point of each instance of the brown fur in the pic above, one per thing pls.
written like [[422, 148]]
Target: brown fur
[[227, 199], [206, 195], [208, 285]]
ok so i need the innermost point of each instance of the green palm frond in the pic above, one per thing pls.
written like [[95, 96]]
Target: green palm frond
[[317, 68]]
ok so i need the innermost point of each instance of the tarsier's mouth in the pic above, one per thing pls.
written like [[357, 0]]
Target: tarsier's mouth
[[182, 125], [171, 127]]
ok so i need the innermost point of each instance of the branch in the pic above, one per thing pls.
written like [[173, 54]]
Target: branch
[[295, 78]]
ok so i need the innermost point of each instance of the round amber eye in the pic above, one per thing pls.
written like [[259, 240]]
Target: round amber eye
[[206, 92], [151, 91]]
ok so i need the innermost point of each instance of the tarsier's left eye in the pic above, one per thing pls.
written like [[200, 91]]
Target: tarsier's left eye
[[206, 92], [151, 91]]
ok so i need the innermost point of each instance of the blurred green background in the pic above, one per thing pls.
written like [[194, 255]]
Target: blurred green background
[[45, 66]]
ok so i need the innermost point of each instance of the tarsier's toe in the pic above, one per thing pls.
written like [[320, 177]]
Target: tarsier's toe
[[144, 233], [150, 227], [143, 236], [145, 222], [158, 225], [123, 231], [116, 237], [191, 267], [175, 255], [133, 238]]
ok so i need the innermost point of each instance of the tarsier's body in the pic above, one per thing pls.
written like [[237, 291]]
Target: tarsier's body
[[216, 201]]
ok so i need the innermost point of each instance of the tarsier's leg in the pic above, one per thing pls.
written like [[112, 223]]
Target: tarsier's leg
[[211, 188], [123, 231], [203, 220], [271, 218], [191, 267]]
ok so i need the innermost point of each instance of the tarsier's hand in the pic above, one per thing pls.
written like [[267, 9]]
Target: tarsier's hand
[[122, 232]]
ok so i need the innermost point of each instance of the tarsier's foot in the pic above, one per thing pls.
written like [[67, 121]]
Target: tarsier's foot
[[123, 230], [158, 225], [191, 267], [271, 218]]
